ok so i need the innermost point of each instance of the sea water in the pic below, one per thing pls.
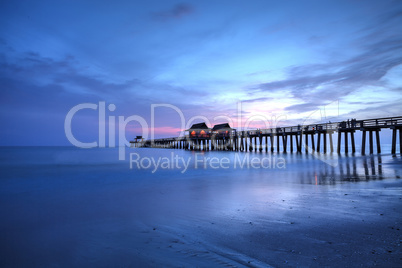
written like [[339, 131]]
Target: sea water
[[66, 206]]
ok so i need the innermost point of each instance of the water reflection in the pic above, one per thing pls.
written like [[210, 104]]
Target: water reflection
[[349, 169]]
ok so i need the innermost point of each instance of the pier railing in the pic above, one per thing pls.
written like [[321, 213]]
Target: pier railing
[[381, 122]]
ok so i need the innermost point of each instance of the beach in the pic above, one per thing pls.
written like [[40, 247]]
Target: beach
[[65, 206]]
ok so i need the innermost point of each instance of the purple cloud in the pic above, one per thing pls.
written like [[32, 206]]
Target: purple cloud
[[318, 84], [177, 12]]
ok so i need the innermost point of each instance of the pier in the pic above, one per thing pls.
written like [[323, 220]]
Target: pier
[[314, 138]]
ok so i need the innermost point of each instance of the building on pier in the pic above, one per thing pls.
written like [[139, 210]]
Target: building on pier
[[223, 131], [200, 130], [137, 142]]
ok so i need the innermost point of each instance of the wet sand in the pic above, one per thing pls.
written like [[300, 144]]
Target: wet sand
[[64, 211]]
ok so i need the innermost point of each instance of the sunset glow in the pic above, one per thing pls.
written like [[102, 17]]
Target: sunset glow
[[278, 59]]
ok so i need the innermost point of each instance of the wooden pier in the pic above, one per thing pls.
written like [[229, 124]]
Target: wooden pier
[[316, 138]]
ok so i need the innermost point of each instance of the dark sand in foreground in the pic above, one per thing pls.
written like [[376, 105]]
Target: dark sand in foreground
[[66, 210]]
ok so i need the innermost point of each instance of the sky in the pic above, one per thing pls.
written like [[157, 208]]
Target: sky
[[243, 62]]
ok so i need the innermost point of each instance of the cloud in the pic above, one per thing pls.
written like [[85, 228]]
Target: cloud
[[37, 92], [31, 72], [387, 110], [178, 11], [316, 84], [365, 103], [257, 100], [365, 69], [302, 107]]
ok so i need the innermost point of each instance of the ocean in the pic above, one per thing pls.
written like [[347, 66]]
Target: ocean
[[72, 207]]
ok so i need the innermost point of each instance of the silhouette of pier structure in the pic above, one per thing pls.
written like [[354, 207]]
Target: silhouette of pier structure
[[313, 138], [137, 142]]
